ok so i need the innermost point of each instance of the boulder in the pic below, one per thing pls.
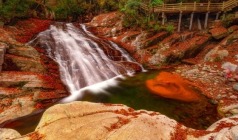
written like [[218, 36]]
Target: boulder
[[6, 134], [219, 32], [85, 120], [215, 55]]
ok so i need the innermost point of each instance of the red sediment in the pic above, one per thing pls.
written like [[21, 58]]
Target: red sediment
[[172, 86]]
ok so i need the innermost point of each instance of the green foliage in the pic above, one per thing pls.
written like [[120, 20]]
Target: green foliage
[[156, 2], [15, 9], [131, 9], [170, 28], [227, 19], [107, 5], [67, 8]]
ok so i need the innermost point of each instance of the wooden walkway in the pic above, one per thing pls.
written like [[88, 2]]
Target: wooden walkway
[[194, 7]]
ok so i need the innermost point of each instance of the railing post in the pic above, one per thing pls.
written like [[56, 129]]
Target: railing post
[[180, 7], [206, 20], [180, 20], [194, 5], [223, 5], [208, 5], [191, 21]]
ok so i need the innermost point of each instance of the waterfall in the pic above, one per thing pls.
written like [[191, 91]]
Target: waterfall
[[83, 58]]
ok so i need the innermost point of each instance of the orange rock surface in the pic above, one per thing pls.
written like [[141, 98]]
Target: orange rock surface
[[172, 86]]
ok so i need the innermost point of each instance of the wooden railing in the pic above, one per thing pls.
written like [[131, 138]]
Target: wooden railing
[[194, 7]]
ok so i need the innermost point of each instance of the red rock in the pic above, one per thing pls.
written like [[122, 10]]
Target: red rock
[[219, 32]]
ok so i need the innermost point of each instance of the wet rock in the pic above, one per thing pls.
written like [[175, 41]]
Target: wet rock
[[235, 87], [219, 32], [131, 65], [7, 134]]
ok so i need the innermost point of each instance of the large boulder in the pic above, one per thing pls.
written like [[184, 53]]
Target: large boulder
[[84, 120]]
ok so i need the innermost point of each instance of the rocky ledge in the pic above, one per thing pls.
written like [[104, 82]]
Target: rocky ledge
[[84, 120], [28, 81]]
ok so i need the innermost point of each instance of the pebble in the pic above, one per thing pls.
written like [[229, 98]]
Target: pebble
[[234, 111], [233, 97], [235, 87], [178, 71]]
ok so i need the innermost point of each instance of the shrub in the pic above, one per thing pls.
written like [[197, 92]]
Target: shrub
[[170, 28], [227, 19], [15, 9]]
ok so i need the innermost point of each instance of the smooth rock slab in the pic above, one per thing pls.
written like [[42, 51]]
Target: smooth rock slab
[[95, 121]]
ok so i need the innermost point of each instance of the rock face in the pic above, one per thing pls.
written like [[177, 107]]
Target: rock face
[[84, 120], [26, 82]]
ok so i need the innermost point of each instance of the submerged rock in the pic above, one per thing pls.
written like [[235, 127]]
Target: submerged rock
[[172, 86], [84, 120]]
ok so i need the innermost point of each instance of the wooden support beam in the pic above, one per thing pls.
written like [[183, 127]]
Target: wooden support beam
[[191, 21], [217, 15], [180, 20], [199, 24], [163, 18], [206, 20]]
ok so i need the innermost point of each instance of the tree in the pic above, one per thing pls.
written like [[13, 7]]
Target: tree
[[131, 10], [152, 4]]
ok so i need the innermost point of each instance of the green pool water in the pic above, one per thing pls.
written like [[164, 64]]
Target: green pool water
[[132, 92]]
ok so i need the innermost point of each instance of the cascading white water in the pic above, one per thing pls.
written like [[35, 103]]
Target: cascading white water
[[82, 62]]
